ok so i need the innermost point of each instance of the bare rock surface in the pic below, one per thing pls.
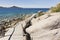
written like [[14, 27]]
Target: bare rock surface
[[15, 33], [36, 20], [18, 31], [47, 29], [7, 35]]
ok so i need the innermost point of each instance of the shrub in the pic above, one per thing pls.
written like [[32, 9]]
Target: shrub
[[55, 9]]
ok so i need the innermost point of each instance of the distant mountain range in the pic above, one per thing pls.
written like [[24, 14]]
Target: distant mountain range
[[10, 7], [18, 7]]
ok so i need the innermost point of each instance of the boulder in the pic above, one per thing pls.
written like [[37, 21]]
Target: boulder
[[46, 29]]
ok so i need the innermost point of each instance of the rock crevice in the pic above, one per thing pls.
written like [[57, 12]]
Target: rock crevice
[[28, 24], [11, 34], [26, 33]]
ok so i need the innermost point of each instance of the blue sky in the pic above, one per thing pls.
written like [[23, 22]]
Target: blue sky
[[29, 3]]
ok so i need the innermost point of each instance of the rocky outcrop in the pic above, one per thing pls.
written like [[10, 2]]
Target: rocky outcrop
[[46, 29], [18, 32]]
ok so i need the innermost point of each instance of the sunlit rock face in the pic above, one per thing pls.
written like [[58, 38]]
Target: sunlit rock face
[[46, 29], [36, 20]]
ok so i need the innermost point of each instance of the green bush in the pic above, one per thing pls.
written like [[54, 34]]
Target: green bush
[[55, 9]]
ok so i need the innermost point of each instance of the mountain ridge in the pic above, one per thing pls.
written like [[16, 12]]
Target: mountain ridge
[[10, 7]]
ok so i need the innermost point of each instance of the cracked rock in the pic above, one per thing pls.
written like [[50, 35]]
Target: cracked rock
[[46, 29]]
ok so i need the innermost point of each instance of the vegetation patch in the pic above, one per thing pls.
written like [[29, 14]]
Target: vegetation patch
[[56, 8]]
